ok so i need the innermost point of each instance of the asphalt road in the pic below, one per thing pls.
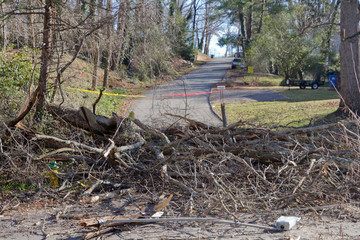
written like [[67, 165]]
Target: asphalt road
[[152, 109], [246, 95]]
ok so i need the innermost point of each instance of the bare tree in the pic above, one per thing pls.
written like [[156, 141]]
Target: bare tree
[[109, 40], [94, 45], [120, 34], [3, 25], [45, 56]]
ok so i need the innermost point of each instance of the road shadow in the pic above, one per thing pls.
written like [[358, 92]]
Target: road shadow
[[246, 95]]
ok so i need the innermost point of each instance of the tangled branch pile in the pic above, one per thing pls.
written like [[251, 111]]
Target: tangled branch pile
[[209, 170]]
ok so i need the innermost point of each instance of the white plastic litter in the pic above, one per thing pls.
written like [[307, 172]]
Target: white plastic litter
[[157, 214], [286, 222]]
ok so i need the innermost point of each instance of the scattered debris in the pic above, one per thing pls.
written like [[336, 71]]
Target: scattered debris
[[204, 171], [286, 223]]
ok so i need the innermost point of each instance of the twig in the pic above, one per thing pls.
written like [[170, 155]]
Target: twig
[[307, 153], [131, 146], [52, 153], [67, 142], [92, 187], [243, 161], [109, 149], [101, 197], [151, 130], [97, 100], [97, 233], [303, 179], [183, 186], [191, 122]]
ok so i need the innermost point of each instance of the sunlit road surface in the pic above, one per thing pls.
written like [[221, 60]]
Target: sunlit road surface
[[187, 96]]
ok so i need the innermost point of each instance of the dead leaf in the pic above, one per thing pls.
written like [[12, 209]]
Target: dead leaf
[[163, 205], [320, 149], [252, 137]]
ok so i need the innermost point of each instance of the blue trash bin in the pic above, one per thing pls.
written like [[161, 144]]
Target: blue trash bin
[[333, 79]]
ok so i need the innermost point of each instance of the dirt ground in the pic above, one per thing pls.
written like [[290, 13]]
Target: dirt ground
[[48, 220]]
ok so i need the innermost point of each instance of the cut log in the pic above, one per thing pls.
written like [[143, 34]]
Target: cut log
[[86, 113]]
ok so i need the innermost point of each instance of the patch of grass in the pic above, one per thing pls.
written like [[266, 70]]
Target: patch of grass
[[263, 80], [295, 94], [304, 107], [105, 106], [12, 185], [241, 77], [120, 91]]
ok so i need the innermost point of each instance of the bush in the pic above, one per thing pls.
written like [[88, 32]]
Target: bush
[[313, 65], [152, 56], [16, 74], [187, 52]]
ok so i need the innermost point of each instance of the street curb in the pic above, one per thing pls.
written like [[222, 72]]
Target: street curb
[[211, 108], [208, 99]]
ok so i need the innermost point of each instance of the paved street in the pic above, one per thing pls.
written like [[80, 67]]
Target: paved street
[[151, 110], [246, 95]]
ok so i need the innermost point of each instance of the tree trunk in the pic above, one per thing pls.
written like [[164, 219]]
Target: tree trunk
[[248, 25], [126, 31], [349, 55], [95, 46], [3, 27], [201, 42], [30, 25], [45, 58], [120, 35], [241, 34], [108, 50], [193, 42], [95, 62], [207, 43], [206, 28], [263, 3]]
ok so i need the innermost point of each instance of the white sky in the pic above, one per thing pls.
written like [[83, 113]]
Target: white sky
[[216, 49]]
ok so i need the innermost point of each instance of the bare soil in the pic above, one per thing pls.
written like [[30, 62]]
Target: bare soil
[[51, 220]]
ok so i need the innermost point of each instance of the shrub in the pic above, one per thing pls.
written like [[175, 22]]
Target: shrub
[[17, 72]]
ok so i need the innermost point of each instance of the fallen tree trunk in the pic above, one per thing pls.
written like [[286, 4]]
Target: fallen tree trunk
[[98, 124], [29, 103], [74, 118]]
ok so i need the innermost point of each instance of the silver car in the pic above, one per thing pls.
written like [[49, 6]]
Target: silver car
[[237, 63]]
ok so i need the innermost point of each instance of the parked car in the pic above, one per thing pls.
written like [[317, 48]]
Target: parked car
[[237, 63]]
